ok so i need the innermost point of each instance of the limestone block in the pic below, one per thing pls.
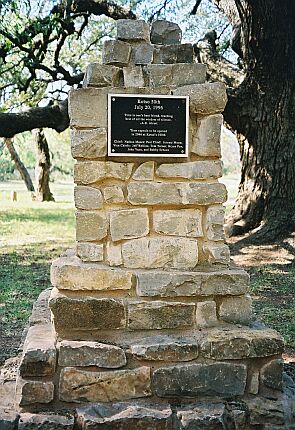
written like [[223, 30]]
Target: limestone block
[[88, 107], [88, 198], [43, 421], [206, 141], [89, 143], [271, 374], [29, 392], [129, 223], [75, 313], [171, 54], [204, 98], [70, 273], [263, 410], [89, 172], [40, 313], [225, 282], [78, 385], [125, 416], [214, 221], [191, 380], [158, 315], [166, 348], [133, 30], [91, 226], [102, 75], [133, 76], [80, 354], [207, 416], [113, 194], [191, 170], [176, 75], [236, 310], [90, 251], [239, 343], [114, 254], [254, 383], [39, 353], [182, 222], [159, 74], [153, 253], [206, 314], [165, 33], [216, 253], [144, 172], [116, 52], [142, 53], [176, 193]]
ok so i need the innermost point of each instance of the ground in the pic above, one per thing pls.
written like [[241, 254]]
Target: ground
[[33, 234]]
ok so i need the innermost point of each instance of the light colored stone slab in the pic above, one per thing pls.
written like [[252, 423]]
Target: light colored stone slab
[[133, 30], [166, 348], [225, 282], [88, 107], [113, 194], [206, 315], [158, 315], [207, 416], [88, 198], [81, 354], [216, 253], [91, 226], [72, 274], [176, 75], [144, 172], [81, 385], [181, 222], [114, 254], [204, 98], [214, 221], [133, 76], [30, 392], [90, 251], [89, 172], [153, 253], [39, 352], [206, 140], [116, 52], [43, 421], [129, 223], [236, 310], [191, 170], [102, 75], [89, 143], [176, 193]]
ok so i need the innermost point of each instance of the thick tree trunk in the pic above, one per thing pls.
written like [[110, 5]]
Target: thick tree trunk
[[42, 170], [19, 164]]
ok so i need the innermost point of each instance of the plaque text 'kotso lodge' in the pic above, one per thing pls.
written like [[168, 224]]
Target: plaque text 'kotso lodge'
[[147, 125]]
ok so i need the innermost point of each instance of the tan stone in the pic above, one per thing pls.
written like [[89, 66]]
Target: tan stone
[[181, 222], [133, 76], [129, 223], [102, 75], [176, 75], [113, 194], [81, 354], [74, 316], [88, 198], [225, 282], [88, 107], [89, 143], [144, 172], [116, 52], [216, 253], [88, 172], [176, 193], [206, 314], [271, 374], [30, 392], [91, 226], [70, 273], [204, 98], [114, 254], [158, 315], [90, 251], [206, 140], [78, 385], [236, 310], [153, 253], [191, 170], [43, 421], [133, 30], [214, 221]]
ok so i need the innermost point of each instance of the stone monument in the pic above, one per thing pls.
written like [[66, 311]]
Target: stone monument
[[151, 326]]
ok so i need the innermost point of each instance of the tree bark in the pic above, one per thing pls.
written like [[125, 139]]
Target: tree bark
[[42, 170], [19, 165]]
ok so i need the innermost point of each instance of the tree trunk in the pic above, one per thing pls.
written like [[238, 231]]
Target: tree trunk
[[19, 164], [42, 170], [262, 113]]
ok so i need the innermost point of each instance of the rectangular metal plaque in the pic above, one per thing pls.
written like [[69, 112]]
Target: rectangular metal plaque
[[147, 125]]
